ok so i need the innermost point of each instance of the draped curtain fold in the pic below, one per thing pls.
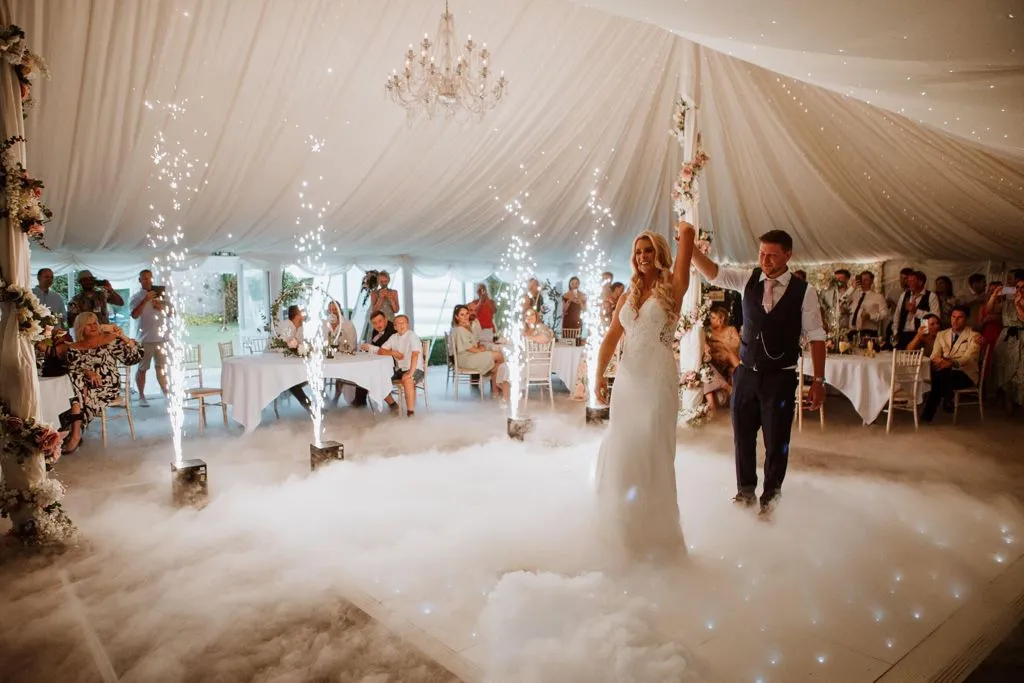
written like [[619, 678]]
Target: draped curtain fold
[[19, 386]]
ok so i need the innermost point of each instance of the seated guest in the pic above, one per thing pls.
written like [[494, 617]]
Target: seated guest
[[534, 330], [340, 333], [474, 320], [338, 329], [926, 335], [381, 330], [723, 343], [93, 361], [406, 348], [290, 332], [954, 362], [474, 356], [869, 308]]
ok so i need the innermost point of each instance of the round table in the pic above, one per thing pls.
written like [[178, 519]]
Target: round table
[[54, 398], [250, 383], [865, 380]]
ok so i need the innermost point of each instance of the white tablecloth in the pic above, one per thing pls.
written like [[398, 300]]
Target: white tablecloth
[[250, 383], [565, 362], [54, 393], [865, 381]]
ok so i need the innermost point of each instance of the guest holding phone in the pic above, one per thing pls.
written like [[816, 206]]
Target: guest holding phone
[[93, 298], [149, 307]]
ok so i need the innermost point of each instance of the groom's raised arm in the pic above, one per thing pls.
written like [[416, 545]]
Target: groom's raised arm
[[726, 278]]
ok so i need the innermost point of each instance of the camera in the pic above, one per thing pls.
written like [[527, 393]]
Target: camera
[[158, 290]]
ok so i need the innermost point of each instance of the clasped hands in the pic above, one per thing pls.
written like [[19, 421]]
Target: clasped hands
[[687, 229]]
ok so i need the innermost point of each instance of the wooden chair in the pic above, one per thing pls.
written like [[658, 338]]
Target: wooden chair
[[226, 350], [199, 392], [977, 391], [539, 357], [123, 401], [803, 392], [904, 385], [421, 386], [466, 377], [569, 336], [254, 345]]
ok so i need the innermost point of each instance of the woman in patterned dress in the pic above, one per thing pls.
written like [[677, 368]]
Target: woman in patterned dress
[[93, 361]]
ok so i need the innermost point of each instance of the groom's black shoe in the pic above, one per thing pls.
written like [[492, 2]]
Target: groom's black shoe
[[744, 499], [769, 501]]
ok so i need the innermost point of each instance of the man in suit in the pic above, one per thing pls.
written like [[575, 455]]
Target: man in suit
[[954, 362], [914, 304], [778, 309], [381, 331]]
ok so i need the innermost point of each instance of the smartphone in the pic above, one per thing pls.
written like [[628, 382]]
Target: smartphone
[[1009, 291], [158, 289]]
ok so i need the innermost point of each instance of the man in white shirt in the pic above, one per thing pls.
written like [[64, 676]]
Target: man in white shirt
[[405, 347], [290, 332], [149, 307], [50, 299], [778, 310], [868, 308]]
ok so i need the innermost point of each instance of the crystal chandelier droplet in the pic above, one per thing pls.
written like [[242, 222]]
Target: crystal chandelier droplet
[[442, 78]]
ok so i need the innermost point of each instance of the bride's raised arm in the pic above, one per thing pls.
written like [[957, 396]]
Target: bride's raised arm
[[685, 235]]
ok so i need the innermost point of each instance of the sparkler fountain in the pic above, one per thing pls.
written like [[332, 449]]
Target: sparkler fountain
[[176, 171], [517, 267], [311, 249], [595, 263]]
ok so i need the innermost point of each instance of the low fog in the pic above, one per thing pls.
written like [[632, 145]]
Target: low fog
[[488, 544]]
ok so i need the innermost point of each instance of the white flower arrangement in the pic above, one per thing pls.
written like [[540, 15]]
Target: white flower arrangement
[[684, 197], [681, 108], [48, 522], [35, 321], [23, 195], [27, 64]]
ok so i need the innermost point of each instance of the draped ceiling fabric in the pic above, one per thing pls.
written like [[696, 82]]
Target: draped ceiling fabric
[[811, 124]]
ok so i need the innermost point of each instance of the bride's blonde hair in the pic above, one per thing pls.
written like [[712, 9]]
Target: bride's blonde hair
[[662, 288]]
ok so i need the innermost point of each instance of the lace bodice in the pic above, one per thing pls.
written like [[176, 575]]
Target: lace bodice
[[652, 327]]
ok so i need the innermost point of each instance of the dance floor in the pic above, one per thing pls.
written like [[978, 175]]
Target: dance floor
[[479, 551]]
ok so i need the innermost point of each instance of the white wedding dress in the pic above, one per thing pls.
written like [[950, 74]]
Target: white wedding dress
[[636, 482]]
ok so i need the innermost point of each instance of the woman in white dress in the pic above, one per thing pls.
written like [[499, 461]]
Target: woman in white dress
[[636, 483]]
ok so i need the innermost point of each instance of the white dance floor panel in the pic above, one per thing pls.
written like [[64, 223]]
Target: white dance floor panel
[[482, 554]]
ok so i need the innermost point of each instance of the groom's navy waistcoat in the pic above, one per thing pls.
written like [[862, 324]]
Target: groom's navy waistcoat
[[771, 341]]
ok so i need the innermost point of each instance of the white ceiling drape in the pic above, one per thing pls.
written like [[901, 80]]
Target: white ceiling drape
[[588, 108]]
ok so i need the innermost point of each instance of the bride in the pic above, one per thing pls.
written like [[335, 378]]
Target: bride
[[636, 481]]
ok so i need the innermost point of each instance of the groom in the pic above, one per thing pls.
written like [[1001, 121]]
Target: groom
[[777, 310]]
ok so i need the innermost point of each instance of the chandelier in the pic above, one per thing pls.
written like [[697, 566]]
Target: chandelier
[[440, 79]]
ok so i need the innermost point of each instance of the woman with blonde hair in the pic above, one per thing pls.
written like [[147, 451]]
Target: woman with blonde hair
[[636, 482], [93, 361]]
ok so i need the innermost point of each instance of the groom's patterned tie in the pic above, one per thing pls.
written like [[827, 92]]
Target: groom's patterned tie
[[766, 300]]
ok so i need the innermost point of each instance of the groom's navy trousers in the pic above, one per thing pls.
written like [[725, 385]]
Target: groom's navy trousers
[[762, 401]]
